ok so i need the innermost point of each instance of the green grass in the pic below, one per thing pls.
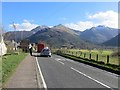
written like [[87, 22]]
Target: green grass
[[102, 65], [9, 64], [102, 57]]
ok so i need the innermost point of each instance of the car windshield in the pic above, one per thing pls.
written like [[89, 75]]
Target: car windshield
[[46, 50]]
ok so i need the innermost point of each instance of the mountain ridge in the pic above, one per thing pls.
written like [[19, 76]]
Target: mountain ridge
[[98, 34], [113, 42], [72, 37]]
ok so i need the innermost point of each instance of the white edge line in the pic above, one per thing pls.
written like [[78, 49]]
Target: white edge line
[[90, 77], [40, 72]]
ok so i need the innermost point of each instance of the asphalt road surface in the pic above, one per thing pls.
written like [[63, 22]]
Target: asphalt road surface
[[60, 72]]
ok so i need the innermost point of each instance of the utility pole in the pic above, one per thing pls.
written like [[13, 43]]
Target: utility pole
[[15, 44]]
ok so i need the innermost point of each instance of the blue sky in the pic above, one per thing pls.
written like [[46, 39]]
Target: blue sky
[[74, 15]]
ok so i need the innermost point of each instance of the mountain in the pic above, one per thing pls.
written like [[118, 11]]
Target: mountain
[[77, 32], [17, 35], [58, 36], [39, 28], [113, 42], [66, 29], [99, 34]]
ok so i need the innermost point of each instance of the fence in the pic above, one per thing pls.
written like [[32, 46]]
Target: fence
[[107, 59]]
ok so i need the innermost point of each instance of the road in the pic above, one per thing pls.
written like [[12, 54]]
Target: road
[[60, 72]]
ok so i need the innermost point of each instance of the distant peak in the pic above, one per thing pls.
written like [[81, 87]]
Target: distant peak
[[41, 27], [101, 26], [59, 25], [44, 26]]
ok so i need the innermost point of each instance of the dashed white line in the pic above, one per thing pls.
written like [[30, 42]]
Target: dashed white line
[[40, 72], [58, 60], [90, 77], [61, 62]]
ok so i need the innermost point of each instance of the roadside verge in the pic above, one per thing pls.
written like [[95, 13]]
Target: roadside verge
[[92, 63]]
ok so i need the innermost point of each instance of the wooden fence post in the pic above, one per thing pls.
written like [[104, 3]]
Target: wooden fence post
[[90, 56], [84, 55], [70, 52], [107, 59], [76, 53], [97, 57]]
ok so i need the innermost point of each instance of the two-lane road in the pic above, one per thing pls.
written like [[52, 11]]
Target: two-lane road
[[59, 72]]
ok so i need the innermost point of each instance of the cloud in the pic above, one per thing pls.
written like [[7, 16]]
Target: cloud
[[108, 18], [25, 26], [80, 25]]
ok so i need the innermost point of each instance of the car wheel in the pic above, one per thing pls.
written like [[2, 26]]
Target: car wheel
[[49, 55]]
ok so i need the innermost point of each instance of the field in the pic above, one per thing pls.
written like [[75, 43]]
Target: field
[[9, 64], [97, 55]]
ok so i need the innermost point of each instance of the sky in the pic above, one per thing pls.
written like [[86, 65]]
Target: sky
[[75, 15]]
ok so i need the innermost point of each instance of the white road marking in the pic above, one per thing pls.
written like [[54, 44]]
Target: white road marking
[[93, 68], [40, 72], [70, 61], [61, 62], [58, 60], [90, 77]]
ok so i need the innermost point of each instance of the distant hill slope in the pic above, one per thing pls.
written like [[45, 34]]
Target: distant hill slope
[[113, 42], [59, 36], [99, 34], [66, 29], [17, 35]]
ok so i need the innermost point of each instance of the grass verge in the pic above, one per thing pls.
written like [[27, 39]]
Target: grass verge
[[9, 64], [108, 67]]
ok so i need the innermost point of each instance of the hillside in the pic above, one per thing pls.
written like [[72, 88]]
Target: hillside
[[57, 37], [66, 29], [61, 35], [17, 35], [113, 42], [99, 34]]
